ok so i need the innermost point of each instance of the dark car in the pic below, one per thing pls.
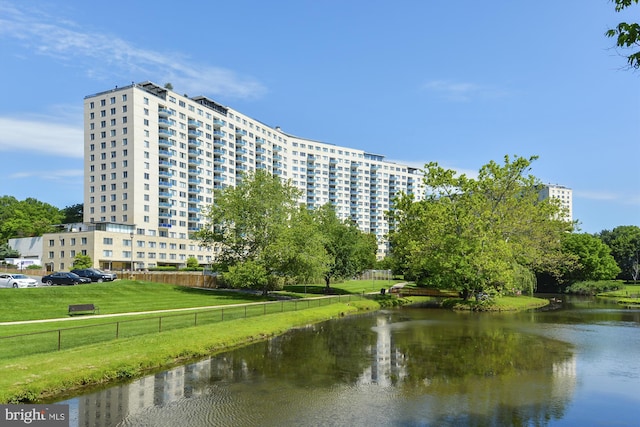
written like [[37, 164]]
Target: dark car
[[62, 278], [95, 274]]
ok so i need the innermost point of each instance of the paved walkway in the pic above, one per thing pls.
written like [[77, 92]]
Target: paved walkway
[[100, 316]]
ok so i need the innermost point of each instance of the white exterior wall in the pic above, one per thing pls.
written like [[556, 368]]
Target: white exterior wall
[[559, 192]]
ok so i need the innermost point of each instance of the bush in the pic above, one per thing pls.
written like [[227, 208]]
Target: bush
[[593, 287], [34, 267]]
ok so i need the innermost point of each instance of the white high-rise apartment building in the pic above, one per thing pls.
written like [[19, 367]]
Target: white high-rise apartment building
[[153, 159], [559, 192]]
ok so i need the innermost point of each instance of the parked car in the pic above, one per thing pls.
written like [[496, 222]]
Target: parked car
[[95, 274], [17, 281], [63, 278]]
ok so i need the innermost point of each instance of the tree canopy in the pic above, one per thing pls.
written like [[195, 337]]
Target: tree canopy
[[26, 218], [624, 242], [627, 34], [259, 224], [476, 235], [350, 250], [594, 258], [82, 261]]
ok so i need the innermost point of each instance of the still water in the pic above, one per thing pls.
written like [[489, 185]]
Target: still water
[[578, 365]]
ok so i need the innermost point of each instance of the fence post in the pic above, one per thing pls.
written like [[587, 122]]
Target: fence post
[[159, 324], [59, 338], [195, 319], [245, 311], [282, 307], [264, 308], [117, 329], [222, 314]]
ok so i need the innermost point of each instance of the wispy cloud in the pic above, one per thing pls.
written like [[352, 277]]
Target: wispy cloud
[[41, 135], [608, 196], [461, 91], [100, 53], [50, 175]]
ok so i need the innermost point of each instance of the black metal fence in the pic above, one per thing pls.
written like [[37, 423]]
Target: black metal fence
[[65, 338]]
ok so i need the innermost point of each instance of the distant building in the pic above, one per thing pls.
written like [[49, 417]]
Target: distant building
[[559, 192]]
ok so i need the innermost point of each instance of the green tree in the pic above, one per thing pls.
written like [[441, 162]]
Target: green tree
[[624, 242], [82, 261], [26, 218], [350, 250], [594, 258], [192, 263], [7, 251], [259, 221], [627, 34], [476, 235], [73, 213]]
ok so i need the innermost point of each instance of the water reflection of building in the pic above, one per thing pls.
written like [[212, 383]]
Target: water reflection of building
[[387, 363], [109, 407]]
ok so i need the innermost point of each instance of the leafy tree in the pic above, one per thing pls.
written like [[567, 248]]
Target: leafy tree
[[259, 221], [350, 250], [249, 274], [73, 213], [594, 258], [26, 218], [624, 242], [477, 235], [82, 261], [192, 263], [7, 251], [627, 34]]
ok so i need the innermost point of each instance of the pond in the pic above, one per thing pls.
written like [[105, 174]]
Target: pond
[[578, 364]]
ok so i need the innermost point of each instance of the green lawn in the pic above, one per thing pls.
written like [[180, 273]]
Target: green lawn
[[121, 296]]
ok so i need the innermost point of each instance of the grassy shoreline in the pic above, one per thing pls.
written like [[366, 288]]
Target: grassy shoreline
[[51, 376]]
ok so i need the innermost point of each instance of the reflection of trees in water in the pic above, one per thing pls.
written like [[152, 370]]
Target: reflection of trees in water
[[321, 355], [494, 376]]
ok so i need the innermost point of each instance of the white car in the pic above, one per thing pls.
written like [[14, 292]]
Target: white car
[[17, 281]]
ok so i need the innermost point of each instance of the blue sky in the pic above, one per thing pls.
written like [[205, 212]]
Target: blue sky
[[461, 83]]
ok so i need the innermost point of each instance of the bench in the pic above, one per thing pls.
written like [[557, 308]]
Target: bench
[[83, 308]]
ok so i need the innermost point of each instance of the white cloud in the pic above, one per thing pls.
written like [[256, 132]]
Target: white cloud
[[41, 135], [50, 175], [106, 53], [461, 91], [608, 196]]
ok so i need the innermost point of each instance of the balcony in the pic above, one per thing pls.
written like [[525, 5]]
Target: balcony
[[193, 152], [194, 143], [164, 204], [193, 171], [195, 181], [218, 123], [241, 132], [164, 112], [164, 153], [194, 190], [217, 142], [164, 123], [163, 183], [193, 124], [194, 133], [166, 132], [164, 194], [164, 142], [260, 140], [165, 174], [164, 225], [194, 162], [164, 215]]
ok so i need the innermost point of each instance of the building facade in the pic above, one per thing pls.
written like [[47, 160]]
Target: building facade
[[153, 159], [561, 193]]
